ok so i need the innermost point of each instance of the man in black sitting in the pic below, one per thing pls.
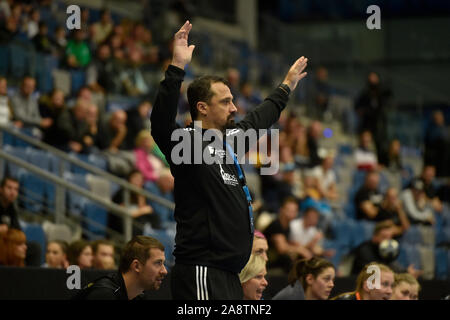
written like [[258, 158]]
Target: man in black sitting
[[141, 268]]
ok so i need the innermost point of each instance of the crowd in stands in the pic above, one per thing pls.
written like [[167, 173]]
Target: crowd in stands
[[296, 209]]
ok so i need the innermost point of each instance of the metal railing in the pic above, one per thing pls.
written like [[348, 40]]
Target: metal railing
[[62, 185]]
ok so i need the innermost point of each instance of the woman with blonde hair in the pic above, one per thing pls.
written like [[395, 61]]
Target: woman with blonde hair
[[149, 164], [253, 279], [406, 287], [374, 282]]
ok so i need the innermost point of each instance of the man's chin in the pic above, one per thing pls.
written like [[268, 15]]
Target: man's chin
[[230, 125]]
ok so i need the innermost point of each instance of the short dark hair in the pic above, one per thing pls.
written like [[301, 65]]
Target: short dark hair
[[6, 179], [200, 90], [97, 243], [138, 248], [289, 199]]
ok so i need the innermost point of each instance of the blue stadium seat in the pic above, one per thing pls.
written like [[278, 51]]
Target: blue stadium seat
[[342, 230], [19, 57], [35, 232], [362, 231], [92, 159], [75, 202], [442, 266], [11, 169], [78, 78], [96, 220], [412, 256], [34, 190], [412, 236]]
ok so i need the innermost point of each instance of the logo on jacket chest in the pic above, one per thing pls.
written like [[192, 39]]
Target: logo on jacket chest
[[228, 178]]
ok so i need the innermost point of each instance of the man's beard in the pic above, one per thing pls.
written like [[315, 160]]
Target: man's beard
[[230, 124]]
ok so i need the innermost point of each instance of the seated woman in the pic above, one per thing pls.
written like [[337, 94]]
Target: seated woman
[[311, 279], [56, 255], [406, 287], [141, 211], [253, 279], [80, 253], [374, 282], [13, 248]]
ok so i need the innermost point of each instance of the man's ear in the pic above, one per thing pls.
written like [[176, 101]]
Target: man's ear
[[309, 279], [135, 266], [202, 108]]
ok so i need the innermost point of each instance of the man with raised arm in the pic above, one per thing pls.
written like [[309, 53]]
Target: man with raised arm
[[213, 208]]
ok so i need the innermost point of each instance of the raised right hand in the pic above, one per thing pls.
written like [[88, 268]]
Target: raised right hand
[[182, 53]]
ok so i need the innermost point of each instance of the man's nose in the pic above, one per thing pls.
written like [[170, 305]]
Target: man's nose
[[233, 108]]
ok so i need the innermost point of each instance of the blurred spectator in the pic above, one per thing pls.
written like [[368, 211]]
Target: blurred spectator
[[9, 213], [72, 127], [313, 135], [25, 105], [260, 245], [371, 107], [102, 29], [9, 217], [5, 8], [132, 77], [253, 279], [418, 208], [304, 232], [80, 253], [233, 77], [92, 119], [428, 177], [8, 30], [365, 157], [146, 162], [248, 98], [103, 252], [52, 106], [32, 26], [60, 42], [368, 198], [13, 248], [326, 178], [391, 209], [6, 114], [392, 159], [163, 188], [320, 94], [281, 251], [56, 255], [77, 50], [406, 287], [138, 119], [41, 41], [369, 251], [363, 290], [102, 72], [113, 132], [437, 141], [140, 210]]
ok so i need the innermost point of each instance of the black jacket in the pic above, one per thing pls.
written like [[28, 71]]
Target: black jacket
[[211, 209], [110, 287]]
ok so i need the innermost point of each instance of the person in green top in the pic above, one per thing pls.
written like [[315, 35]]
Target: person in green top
[[77, 50]]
